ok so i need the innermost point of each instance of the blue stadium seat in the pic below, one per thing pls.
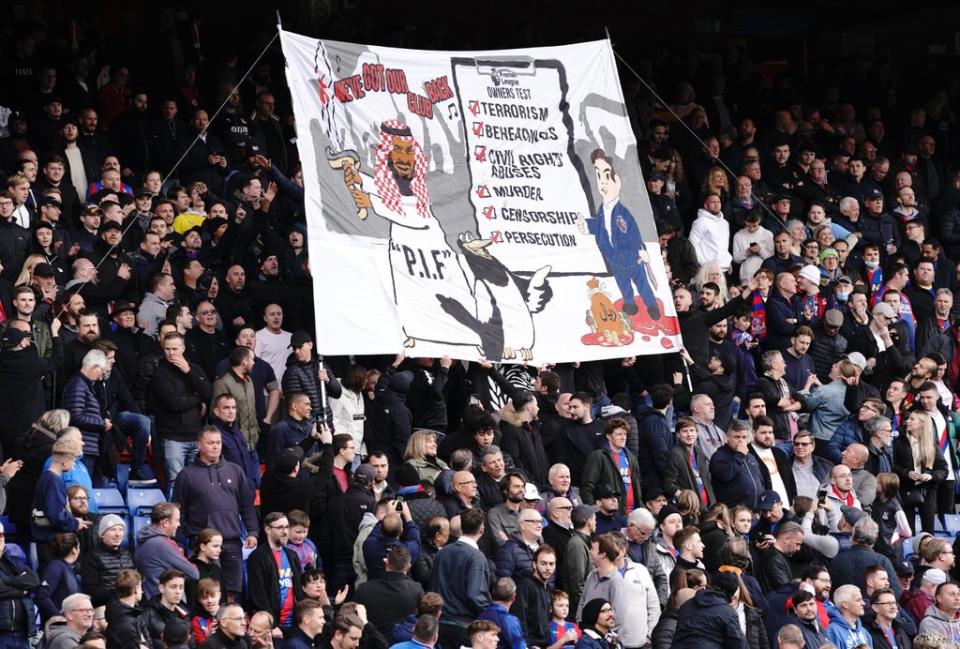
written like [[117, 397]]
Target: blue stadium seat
[[110, 501], [141, 501], [139, 522], [953, 523], [907, 548], [9, 527], [123, 476]]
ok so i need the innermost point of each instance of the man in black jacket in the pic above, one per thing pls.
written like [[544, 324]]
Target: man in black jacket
[[774, 565], [393, 596], [426, 397], [532, 605], [344, 513], [520, 428], [694, 325], [180, 391], [273, 573], [17, 612]]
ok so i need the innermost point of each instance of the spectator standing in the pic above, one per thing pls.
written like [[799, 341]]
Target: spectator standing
[[228, 505], [274, 574], [181, 392]]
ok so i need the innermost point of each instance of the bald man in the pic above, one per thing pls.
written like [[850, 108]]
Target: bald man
[[464, 496], [855, 456]]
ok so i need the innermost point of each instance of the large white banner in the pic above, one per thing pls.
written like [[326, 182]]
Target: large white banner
[[476, 204]]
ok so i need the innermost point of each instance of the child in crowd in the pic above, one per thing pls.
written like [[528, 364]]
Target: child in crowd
[[562, 633], [204, 622], [303, 547]]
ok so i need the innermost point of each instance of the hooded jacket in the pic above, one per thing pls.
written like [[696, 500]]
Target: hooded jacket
[[390, 422], [281, 493], [708, 622], [155, 553], [845, 636], [215, 495], [937, 621], [302, 376]]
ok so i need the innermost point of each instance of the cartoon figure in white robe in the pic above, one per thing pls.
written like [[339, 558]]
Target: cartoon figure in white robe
[[422, 262]]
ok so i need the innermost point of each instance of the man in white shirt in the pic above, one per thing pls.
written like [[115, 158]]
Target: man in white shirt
[[710, 234], [751, 246], [774, 463], [273, 343]]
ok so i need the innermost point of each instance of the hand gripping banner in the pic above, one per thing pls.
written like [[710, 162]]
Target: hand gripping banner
[[476, 204]]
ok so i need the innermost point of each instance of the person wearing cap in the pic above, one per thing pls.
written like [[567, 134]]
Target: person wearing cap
[[877, 224], [100, 567], [305, 372], [876, 344], [751, 246], [919, 599], [344, 512], [515, 557], [669, 524], [609, 518], [267, 287], [664, 206], [828, 344], [231, 497], [614, 466]]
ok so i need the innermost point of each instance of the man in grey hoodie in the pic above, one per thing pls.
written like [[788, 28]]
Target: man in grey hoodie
[[944, 616], [157, 551]]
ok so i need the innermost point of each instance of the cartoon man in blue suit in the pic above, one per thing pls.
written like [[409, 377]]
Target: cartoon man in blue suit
[[619, 240]]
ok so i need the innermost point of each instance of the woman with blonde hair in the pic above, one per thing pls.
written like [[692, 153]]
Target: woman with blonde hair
[[421, 454], [920, 466], [26, 271], [688, 503]]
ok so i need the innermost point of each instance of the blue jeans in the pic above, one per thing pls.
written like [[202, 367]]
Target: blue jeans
[[136, 427], [177, 455]]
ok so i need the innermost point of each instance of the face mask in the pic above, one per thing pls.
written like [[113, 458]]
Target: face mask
[[843, 296], [872, 265]]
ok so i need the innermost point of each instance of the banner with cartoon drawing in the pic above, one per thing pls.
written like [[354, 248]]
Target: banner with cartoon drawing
[[476, 204]]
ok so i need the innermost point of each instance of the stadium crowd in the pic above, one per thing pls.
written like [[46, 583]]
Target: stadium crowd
[[788, 481]]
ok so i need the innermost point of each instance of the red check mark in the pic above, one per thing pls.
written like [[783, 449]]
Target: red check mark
[[478, 128], [495, 236], [480, 153], [488, 213], [483, 192], [474, 107]]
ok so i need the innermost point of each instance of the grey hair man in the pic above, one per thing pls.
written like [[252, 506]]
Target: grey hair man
[[849, 565]]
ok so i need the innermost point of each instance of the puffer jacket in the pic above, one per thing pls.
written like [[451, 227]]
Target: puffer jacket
[[756, 632], [123, 625], [17, 582], [825, 351], [99, 571], [736, 478], [663, 633], [302, 377], [80, 401], [847, 433], [155, 617], [514, 558], [390, 423]]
